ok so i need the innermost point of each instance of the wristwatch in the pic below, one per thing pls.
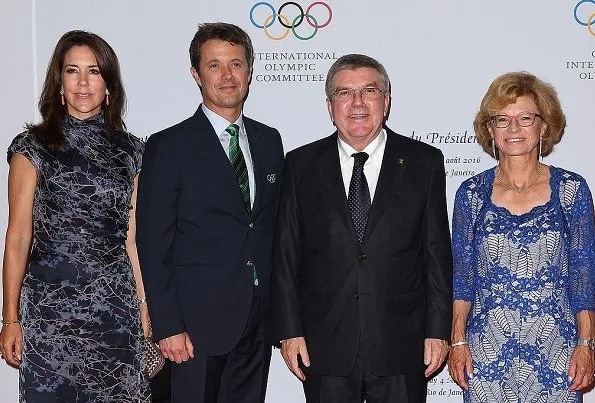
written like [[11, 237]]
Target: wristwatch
[[590, 343]]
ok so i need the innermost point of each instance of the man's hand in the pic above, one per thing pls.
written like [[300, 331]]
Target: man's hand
[[290, 349], [435, 352], [177, 348]]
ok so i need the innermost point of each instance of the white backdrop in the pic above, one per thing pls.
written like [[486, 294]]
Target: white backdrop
[[440, 55]]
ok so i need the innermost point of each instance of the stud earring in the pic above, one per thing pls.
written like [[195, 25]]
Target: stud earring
[[62, 96], [106, 96]]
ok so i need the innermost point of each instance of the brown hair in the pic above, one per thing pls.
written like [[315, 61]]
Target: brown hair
[[223, 32], [504, 91], [48, 132]]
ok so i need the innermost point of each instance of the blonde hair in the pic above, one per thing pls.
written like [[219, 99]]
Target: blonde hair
[[504, 91]]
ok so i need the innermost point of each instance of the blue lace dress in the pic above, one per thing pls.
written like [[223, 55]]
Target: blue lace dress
[[526, 277], [81, 325]]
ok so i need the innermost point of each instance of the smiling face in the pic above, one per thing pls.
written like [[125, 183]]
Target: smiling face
[[515, 140], [358, 120], [224, 76], [84, 88]]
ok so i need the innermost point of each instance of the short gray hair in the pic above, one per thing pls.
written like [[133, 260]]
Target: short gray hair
[[351, 62]]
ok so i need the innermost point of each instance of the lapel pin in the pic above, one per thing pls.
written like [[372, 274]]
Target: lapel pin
[[271, 178], [401, 161]]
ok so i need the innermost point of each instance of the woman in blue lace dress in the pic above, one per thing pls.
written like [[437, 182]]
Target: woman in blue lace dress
[[71, 320], [524, 258]]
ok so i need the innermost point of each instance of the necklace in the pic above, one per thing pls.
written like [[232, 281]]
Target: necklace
[[516, 189]]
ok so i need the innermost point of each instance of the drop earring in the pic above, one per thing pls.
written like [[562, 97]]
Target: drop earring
[[494, 149], [62, 96], [106, 96], [540, 156]]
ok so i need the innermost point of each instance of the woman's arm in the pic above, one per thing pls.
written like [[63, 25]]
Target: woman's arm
[[459, 360], [133, 255], [582, 361], [22, 180], [581, 272], [464, 260]]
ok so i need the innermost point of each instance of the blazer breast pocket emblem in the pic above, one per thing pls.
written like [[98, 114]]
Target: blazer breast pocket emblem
[[271, 178]]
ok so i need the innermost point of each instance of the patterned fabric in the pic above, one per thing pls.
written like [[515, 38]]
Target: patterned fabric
[[359, 196], [82, 333], [526, 277], [239, 164]]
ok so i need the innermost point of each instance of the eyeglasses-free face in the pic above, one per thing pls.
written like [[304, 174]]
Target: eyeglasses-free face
[[523, 119]]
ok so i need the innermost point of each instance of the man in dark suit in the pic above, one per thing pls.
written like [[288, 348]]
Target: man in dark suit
[[207, 195], [361, 286]]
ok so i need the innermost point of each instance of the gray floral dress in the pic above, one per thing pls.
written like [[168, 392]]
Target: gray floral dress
[[82, 333]]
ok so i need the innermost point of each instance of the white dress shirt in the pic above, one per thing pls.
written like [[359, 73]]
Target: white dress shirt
[[372, 166], [219, 125]]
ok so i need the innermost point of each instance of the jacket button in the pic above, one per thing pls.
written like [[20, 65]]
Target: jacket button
[[363, 256]]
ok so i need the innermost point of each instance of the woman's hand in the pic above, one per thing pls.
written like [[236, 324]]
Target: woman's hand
[[145, 319], [459, 364], [11, 344], [582, 367]]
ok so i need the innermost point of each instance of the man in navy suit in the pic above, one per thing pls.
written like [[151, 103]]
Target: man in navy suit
[[362, 279], [206, 200]]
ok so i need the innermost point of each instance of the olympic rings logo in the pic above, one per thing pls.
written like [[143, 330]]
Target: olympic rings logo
[[291, 23], [590, 21]]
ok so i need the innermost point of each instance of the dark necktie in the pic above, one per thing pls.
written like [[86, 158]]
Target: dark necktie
[[239, 164], [359, 196]]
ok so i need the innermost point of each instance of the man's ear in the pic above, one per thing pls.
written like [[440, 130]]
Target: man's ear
[[195, 75]]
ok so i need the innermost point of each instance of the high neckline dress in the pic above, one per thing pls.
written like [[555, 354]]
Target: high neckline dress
[[79, 313]]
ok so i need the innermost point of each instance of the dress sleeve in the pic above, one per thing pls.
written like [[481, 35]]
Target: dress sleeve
[[464, 255], [581, 262], [26, 145]]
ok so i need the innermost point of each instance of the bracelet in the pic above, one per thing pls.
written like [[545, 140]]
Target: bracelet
[[142, 301], [459, 343], [10, 322], [589, 343]]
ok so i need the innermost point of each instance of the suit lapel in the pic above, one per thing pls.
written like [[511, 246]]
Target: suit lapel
[[330, 172], [391, 173], [208, 145]]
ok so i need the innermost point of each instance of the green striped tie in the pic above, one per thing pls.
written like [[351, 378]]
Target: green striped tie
[[241, 171], [239, 164]]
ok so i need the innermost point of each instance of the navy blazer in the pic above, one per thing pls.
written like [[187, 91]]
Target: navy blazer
[[197, 244], [388, 294]]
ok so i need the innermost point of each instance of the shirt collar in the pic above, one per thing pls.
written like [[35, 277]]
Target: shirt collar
[[219, 123], [372, 149]]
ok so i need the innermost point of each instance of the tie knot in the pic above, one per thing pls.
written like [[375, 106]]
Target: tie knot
[[233, 129], [360, 159]]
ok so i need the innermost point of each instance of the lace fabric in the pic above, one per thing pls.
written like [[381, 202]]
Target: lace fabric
[[526, 277]]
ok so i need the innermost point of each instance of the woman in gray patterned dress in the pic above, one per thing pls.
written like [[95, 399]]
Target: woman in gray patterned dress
[[71, 321]]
